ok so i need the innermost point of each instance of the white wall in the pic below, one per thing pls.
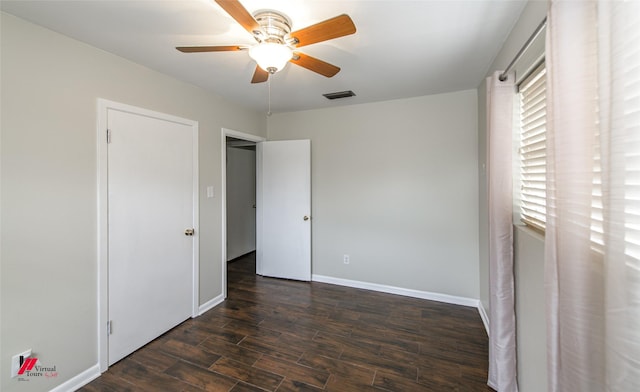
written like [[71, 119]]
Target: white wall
[[528, 245], [394, 186], [241, 199], [50, 85]]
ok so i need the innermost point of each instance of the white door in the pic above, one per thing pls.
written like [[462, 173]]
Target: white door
[[284, 209], [150, 205]]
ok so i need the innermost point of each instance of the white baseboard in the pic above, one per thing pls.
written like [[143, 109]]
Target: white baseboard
[[79, 381], [483, 316], [450, 299], [210, 304]]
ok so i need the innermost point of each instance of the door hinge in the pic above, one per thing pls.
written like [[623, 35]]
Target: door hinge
[[109, 327], [108, 136]]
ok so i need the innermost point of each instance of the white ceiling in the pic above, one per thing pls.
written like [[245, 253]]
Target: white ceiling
[[401, 48]]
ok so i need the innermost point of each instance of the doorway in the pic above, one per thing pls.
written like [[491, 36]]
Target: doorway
[[238, 196], [283, 213], [241, 198]]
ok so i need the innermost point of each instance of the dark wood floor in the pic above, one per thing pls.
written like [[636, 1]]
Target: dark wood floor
[[280, 335]]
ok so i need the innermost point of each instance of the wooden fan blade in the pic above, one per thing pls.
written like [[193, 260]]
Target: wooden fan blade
[[260, 75], [329, 29], [314, 64], [198, 49], [240, 14]]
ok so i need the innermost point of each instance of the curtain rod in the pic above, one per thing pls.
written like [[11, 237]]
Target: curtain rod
[[503, 75]]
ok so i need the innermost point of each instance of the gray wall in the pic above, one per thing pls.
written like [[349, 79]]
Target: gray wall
[[50, 85], [394, 186], [528, 245], [241, 198]]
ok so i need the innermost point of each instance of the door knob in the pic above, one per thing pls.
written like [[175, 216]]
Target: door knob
[[189, 232], [306, 218]]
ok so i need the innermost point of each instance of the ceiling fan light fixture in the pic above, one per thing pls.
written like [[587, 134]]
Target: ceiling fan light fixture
[[271, 56]]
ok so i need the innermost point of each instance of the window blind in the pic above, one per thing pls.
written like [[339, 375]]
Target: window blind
[[626, 119], [533, 121]]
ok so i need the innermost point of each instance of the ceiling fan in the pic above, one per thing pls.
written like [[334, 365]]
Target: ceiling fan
[[277, 45]]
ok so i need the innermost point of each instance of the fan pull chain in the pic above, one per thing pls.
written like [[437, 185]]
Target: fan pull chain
[[269, 86]]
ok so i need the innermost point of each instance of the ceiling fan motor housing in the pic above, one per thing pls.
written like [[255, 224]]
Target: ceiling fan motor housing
[[275, 26]]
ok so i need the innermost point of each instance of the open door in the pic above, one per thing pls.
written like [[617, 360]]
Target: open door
[[283, 221]]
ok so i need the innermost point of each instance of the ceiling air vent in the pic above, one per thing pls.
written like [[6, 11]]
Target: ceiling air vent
[[339, 94]]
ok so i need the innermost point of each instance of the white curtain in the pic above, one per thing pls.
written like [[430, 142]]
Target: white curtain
[[502, 326], [592, 244]]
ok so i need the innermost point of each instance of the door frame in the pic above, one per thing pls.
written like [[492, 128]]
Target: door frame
[[103, 105], [223, 191]]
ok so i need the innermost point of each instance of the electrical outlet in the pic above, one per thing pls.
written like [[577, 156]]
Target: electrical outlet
[[16, 363], [345, 259]]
